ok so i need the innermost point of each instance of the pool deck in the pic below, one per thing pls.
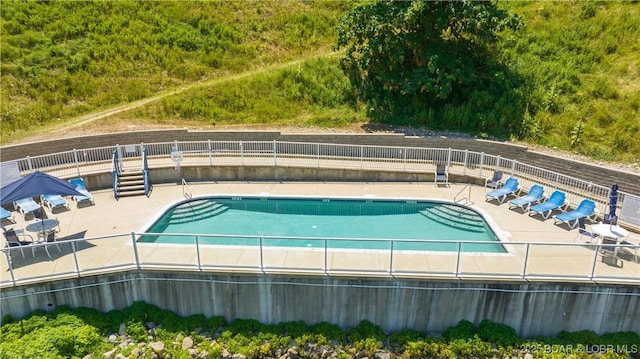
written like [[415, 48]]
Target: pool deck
[[109, 217]]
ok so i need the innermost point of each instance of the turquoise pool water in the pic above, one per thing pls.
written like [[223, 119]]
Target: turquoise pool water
[[304, 222]]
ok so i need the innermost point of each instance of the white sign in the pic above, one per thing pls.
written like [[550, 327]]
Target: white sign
[[9, 172], [630, 211]]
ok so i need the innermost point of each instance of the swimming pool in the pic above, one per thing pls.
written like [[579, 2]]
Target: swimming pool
[[307, 222]]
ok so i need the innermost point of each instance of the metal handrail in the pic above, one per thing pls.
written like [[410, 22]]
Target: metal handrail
[[466, 198], [188, 194], [456, 270], [115, 172], [145, 171]]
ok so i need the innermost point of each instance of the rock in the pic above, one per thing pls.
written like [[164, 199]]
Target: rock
[[122, 329], [528, 356], [113, 338], [187, 343], [110, 354], [157, 347], [238, 356], [121, 356], [292, 353], [136, 352], [361, 354], [226, 354], [382, 355]]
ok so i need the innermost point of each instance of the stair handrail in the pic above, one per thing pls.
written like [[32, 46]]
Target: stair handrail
[[187, 193], [145, 170], [115, 171], [466, 198]]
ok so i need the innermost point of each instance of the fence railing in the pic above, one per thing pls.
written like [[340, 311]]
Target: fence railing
[[327, 256], [76, 163]]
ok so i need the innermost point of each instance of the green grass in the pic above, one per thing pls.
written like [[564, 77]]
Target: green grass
[[61, 60]]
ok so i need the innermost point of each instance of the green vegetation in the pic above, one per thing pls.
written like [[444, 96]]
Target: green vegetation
[[66, 58], [568, 78], [74, 333], [432, 64]]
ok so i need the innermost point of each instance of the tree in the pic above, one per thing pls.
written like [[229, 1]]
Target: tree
[[407, 57]]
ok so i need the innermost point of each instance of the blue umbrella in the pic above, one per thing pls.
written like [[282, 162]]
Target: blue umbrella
[[613, 202], [36, 184]]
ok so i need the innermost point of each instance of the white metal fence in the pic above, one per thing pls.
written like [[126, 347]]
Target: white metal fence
[[521, 263], [77, 163]]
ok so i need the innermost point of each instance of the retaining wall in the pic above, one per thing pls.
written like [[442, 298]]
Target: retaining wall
[[393, 303]]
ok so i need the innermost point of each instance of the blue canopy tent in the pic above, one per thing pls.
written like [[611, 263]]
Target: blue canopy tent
[[613, 202], [36, 184]]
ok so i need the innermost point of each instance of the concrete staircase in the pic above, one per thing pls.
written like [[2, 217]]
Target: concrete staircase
[[130, 183]]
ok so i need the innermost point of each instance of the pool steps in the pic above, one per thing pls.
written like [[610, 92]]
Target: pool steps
[[454, 216], [196, 211]]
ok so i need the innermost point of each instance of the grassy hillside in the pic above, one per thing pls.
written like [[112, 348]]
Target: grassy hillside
[[65, 59], [582, 62]]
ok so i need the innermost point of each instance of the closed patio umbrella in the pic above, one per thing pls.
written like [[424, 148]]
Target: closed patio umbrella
[[613, 202]]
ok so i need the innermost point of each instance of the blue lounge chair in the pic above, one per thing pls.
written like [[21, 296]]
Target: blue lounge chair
[[585, 209], [536, 192], [26, 205], [555, 201], [6, 215], [511, 186], [79, 183], [54, 200]]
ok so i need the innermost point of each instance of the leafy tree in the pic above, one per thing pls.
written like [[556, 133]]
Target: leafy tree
[[406, 57]]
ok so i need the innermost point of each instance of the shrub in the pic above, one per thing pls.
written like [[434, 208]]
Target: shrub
[[329, 331], [463, 330], [136, 331], [498, 333], [366, 330]]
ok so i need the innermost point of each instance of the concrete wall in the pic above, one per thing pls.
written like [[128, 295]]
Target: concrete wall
[[393, 303], [628, 181]]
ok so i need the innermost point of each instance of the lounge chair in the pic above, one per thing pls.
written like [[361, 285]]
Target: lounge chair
[[26, 205], [6, 215], [536, 192], [13, 240], [556, 201], [441, 174], [511, 187], [80, 187], [53, 200], [493, 182], [585, 209]]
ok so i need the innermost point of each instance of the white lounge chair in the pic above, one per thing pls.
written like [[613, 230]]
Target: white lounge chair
[[26, 205]]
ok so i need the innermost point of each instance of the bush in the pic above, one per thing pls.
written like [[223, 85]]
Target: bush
[[366, 330], [463, 330], [498, 333]]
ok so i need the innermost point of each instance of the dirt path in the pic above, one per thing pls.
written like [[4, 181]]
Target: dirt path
[[81, 125]]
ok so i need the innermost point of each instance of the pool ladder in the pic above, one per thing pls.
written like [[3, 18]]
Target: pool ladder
[[464, 196]]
